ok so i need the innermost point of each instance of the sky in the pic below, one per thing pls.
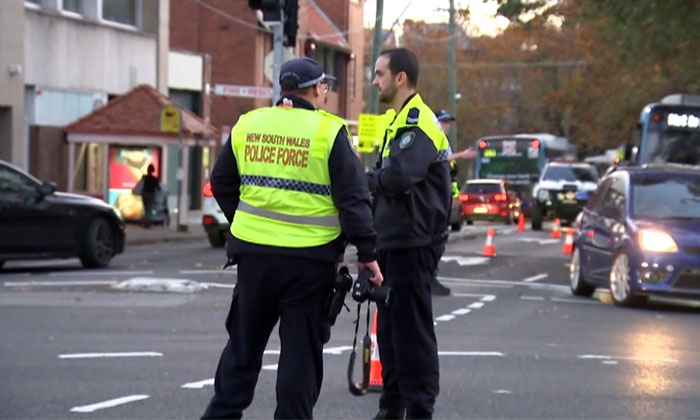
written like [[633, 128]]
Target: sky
[[483, 14]]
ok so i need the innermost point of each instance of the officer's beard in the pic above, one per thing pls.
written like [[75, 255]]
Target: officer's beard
[[388, 94]]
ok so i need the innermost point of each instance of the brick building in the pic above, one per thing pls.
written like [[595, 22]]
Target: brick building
[[230, 33]]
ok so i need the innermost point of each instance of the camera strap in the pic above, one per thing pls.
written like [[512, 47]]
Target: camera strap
[[360, 388]]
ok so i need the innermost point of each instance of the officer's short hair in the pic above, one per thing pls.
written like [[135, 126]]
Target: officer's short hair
[[403, 60]]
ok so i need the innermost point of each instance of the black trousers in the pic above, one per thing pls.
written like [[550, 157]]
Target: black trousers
[[405, 331], [270, 288], [148, 199]]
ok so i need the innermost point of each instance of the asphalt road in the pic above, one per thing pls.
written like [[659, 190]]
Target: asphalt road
[[513, 341]]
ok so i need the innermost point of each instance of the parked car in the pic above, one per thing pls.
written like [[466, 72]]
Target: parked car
[[213, 219], [489, 199], [639, 235], [562, 191], [36, 222]]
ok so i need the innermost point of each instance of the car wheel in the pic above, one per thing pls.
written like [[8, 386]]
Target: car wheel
[[620, 282], [98, 244], [579, 287], [217, 239], [509, 219], [456, 227], [536, 213]]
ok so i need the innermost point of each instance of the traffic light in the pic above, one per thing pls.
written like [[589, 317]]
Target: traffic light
[[271, 13]]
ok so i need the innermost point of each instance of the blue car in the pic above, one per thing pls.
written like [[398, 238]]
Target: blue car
[[639, 234]]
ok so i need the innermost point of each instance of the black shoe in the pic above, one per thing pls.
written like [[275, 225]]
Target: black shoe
[[390, 413], [439, 289]]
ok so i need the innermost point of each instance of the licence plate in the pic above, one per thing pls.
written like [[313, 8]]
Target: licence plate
[[481, 210]]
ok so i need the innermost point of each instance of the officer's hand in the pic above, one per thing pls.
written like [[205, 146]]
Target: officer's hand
[[372, 266], [372, 182]]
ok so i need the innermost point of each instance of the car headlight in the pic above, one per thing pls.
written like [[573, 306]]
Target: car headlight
[[657, 241], [543, 194]]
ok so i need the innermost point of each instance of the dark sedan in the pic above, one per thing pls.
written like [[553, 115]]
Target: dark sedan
[[37, 222], [639, 235]]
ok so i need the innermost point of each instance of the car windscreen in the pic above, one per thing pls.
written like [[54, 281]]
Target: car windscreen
[[571, 173], [473, 188], [666, 197]]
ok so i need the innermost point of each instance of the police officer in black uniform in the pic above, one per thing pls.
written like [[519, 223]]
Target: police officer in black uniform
[[412, 194], [288, 283]]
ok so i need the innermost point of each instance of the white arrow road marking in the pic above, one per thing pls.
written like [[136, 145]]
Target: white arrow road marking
[[462, 261], [58, 283], [536, 277], [199, 384], [540, 241], [445, 318], [106, 404], [634, 359], [106, 355]]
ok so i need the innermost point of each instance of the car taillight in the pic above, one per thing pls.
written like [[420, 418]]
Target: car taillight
[[208, 220], [500, 197], [206, 190], [464, 197]]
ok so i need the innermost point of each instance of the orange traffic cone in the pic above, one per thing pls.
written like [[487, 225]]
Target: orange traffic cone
[[556, 232], [521, 223], [489, 249], [568, 242], [375, 369]]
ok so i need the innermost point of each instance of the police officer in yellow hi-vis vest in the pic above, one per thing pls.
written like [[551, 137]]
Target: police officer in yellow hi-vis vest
[[294, 191], [412, 194]]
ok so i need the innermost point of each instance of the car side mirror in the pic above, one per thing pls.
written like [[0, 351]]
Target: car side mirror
[[46, 188]]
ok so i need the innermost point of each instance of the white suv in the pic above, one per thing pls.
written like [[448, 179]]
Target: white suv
[[213, 219]]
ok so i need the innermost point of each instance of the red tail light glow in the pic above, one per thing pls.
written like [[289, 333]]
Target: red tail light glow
[[464, 197], [483, 144], [208, 220], [500, 197], [535, 144], [206, 190]]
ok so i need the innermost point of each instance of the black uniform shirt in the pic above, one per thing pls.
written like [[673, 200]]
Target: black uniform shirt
[[348, 190]]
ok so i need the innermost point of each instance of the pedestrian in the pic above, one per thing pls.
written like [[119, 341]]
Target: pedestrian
[[411, 187], [294, 191], [148, 195]]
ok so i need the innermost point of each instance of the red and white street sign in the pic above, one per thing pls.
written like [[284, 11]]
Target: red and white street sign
[[243, 91]]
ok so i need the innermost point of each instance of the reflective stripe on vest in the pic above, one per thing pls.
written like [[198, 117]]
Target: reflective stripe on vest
[[427, 122], [282, 157]]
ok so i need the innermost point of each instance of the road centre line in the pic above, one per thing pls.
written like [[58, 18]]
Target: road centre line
[[445, 318], [89, 273], [107, 404], [482, 297], [463, 311], [540, 298], [634, 359], [109, 355], [59, 283], [536, 277], [476, 305]]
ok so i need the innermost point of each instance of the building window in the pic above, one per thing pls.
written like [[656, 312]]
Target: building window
[[75, 6], [121, 11]]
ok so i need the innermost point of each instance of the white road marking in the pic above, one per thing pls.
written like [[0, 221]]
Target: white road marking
[[476, 305], [495, 283], [154, 284], [227, 271], [461, 284], [106, 404], [532, 297], [199, 384], [579, 301], [58, 283], [540, 241], [445, 318], [536, 277], [609, 362], [488, 298], [482, 297], [336, 350], [634, 359], [89, 273], [502, 391], [465, 261], [271, 352], [220, 285], [269, 367], [106, 355], [471, 353], [461, 311]]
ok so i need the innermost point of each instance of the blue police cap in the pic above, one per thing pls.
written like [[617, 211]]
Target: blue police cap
[[300, 73], [443, 115]]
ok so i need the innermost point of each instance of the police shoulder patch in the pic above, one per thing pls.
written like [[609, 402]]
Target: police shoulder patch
[[412, 117], [406, 140]]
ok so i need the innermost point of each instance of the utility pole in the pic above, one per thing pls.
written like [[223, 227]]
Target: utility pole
[[452, 77], [373, 94]]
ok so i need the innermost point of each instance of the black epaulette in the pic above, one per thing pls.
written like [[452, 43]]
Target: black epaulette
[[412, 117]]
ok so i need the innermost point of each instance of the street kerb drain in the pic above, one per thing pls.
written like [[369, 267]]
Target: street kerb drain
[[489, 248]]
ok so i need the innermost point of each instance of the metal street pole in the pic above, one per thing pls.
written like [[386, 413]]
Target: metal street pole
[[452, 77], [373, 94], [180, 176], [278, 54]]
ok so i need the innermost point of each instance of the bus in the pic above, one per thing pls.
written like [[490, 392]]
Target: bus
[[669, 132], [519, 158]]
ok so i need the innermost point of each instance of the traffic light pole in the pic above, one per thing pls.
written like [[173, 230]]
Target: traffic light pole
[[278, 54]]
